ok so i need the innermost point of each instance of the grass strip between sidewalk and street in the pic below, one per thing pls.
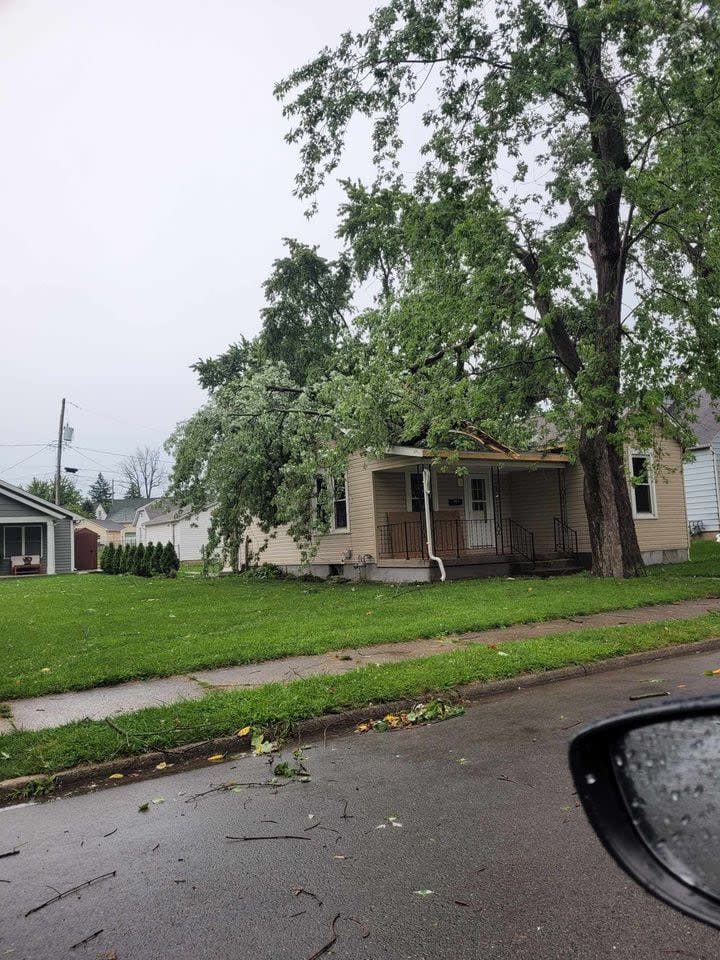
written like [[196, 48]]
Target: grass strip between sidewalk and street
[[224, 712], [72, 633]]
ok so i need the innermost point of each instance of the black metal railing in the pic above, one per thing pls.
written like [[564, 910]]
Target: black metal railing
[[452, 537], [522, 541], [566, 539]]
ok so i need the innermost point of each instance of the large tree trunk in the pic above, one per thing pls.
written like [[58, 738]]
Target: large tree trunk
[[613, 538]]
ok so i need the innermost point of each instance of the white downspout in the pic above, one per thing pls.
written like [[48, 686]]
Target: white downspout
[[428, 524]]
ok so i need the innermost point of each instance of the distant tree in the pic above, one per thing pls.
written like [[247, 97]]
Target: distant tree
[[70, 495], [100, 491], [132, 490], [143, 471]]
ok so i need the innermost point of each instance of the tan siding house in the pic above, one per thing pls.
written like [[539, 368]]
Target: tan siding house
[[497, 514]]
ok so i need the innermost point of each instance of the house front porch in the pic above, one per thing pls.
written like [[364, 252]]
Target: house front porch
[[491, 515]]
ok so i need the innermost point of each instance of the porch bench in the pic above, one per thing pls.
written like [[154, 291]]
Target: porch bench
[[26, 564]]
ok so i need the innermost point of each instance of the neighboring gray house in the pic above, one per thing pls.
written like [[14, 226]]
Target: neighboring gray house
[[30, 526], [702, 474]]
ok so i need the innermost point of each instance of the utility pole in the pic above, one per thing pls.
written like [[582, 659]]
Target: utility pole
[[59, 452]]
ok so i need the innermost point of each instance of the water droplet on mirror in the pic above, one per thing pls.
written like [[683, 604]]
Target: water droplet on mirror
[[590, 779]]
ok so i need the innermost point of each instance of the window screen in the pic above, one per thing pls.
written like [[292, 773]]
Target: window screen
[[641, 488], [340, 511], [13, 541], [33, 541], [417, 498]]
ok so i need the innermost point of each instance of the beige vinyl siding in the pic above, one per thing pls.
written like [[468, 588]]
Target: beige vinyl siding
[[535, 501], [668, 530], [575, 505]]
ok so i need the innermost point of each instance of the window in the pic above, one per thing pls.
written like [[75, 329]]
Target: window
[[335, 499], [416, 497], [643, 490], [22, 541], [320, 495], [478, 495], [340, 505], [129, 538]]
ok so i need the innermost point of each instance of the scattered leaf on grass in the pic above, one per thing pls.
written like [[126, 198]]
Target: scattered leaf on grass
[[116, 776], [45, 670], [143, 808], [161, 766], [216, 757], [244, 732], [501, 653]]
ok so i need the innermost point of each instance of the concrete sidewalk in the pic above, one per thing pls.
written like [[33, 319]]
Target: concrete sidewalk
[[38, 713]]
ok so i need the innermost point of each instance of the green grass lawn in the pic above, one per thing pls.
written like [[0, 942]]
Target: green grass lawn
[[224, 712], [69, 632]]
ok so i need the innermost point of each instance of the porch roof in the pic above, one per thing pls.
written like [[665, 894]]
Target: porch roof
[[538, 457]]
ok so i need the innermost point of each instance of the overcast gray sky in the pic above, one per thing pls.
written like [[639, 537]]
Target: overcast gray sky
[[144, 192]]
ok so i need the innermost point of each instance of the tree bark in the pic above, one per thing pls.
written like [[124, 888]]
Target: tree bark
[[613, 538]]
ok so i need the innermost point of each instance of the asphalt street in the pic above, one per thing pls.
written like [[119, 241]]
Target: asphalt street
[[458, 840]]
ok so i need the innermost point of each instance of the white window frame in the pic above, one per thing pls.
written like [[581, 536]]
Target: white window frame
[[408, 489], [22, 527], [331, 504], [333, 501], [647, 455]]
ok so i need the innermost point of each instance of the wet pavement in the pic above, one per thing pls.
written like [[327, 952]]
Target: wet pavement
[[479, 810]]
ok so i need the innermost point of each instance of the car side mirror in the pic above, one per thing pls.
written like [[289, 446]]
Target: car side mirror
[[649, 781]]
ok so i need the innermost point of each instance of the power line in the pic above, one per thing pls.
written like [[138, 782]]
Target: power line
[[25, 459]]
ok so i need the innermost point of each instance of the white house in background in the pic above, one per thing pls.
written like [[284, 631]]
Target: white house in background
[[702, 475], [187, 531]]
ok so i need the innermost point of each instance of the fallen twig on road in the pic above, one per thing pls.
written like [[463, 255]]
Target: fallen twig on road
[[10, 853], [66, 893], [277, 836], [81, 943], [232, 784], [331, 942]]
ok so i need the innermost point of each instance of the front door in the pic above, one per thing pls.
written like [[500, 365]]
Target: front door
[[479, 516]]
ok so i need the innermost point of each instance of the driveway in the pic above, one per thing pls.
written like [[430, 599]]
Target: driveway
[[479, 810]]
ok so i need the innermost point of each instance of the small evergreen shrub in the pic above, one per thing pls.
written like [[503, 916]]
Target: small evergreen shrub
[[107, 558], [170, 562], [157, 557], [139, 561]]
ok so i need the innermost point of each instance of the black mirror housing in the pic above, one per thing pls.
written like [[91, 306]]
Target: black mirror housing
[[649, 781]]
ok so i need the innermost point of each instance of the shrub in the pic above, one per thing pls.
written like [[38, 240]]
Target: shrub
[[130, 562], [124, 557], [157, 558], [139, 561], [107, 557], [170, 562]]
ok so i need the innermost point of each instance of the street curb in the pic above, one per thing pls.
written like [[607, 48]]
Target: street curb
[[89, 777]]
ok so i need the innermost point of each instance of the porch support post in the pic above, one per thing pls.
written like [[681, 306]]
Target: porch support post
[[50, 547], [497, 496]]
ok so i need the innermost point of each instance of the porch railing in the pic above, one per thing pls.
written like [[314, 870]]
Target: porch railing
[[566, 539], [407, 540], [522, 540]]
